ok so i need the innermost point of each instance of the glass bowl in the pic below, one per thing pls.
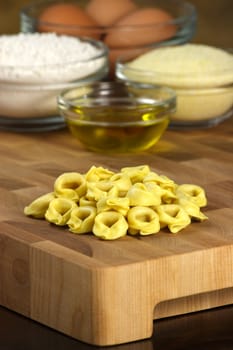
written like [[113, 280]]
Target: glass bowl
[[28, 92], [117, 117], [204, 97], [125, 26]]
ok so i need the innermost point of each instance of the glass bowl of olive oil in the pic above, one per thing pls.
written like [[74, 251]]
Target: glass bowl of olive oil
[[117, 117]]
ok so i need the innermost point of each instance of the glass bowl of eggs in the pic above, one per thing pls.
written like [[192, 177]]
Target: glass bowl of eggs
[[117, 117], [125, 26], [201, 76]]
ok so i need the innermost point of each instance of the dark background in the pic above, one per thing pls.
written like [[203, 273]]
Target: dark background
[[215, 20]]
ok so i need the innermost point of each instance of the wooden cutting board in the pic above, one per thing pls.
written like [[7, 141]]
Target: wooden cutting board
[[109, 292]]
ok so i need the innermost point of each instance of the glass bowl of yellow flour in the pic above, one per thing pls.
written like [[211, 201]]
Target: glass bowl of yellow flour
[[201, 75]]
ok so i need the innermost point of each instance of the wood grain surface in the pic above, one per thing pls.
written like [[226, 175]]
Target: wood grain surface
[[102, 292]]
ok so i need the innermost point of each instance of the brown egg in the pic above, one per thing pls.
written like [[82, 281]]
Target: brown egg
[[143, 35], [56, 17], [107, 12]]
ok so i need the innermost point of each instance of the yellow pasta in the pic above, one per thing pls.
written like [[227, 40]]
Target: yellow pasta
[[140, 195], [94, 193], [38, 207], [163, 195], [96, 174], [122, 182], [83, 202], [137, 173], [103, 185], [70, 185], [168, 196], [82, 219], [111, 204], [143, 221], [59, 211], [161, 180], [173, 216], [110, 225], [121, 205], [115, 192], [195, 193], [190, 207]]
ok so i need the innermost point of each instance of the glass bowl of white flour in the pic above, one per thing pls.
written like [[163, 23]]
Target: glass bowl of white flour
[[35, 67]]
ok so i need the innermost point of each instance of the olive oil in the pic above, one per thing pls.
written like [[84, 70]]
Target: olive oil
[[118, 129], [117, 117]]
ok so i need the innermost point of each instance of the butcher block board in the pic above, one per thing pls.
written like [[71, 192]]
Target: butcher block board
[[109, 292]]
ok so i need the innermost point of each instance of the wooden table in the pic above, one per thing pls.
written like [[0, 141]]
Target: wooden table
[[37, 260]]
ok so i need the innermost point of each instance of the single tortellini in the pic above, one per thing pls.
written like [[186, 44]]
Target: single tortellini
[[143, 221], [140, 195], [39, 206], [137, 173], [110, 225], [94, 193], [70, 185], [121, 205], [191, 207], [161, 180], [122, 182], [59, 211], [173, 216], [115, 192], [83, 202], [195, 193], [82, 219], [163, 195], [168, 196], [104, 186], [96, 174]]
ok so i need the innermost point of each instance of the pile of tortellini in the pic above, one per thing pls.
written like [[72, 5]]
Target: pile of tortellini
[[134, 201]]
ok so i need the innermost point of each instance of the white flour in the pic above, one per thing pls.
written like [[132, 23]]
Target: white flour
[[46, 57], [34, 67]]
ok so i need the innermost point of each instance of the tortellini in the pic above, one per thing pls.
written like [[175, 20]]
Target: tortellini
[[173, 216], [136, 173], [194, 193], [143, 220], [96, 174], [134, 201], [39, 206], [140, 194], [120, 205], [110, 225], [82, 219], [191, 205], [70, 185], [59, 211]]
